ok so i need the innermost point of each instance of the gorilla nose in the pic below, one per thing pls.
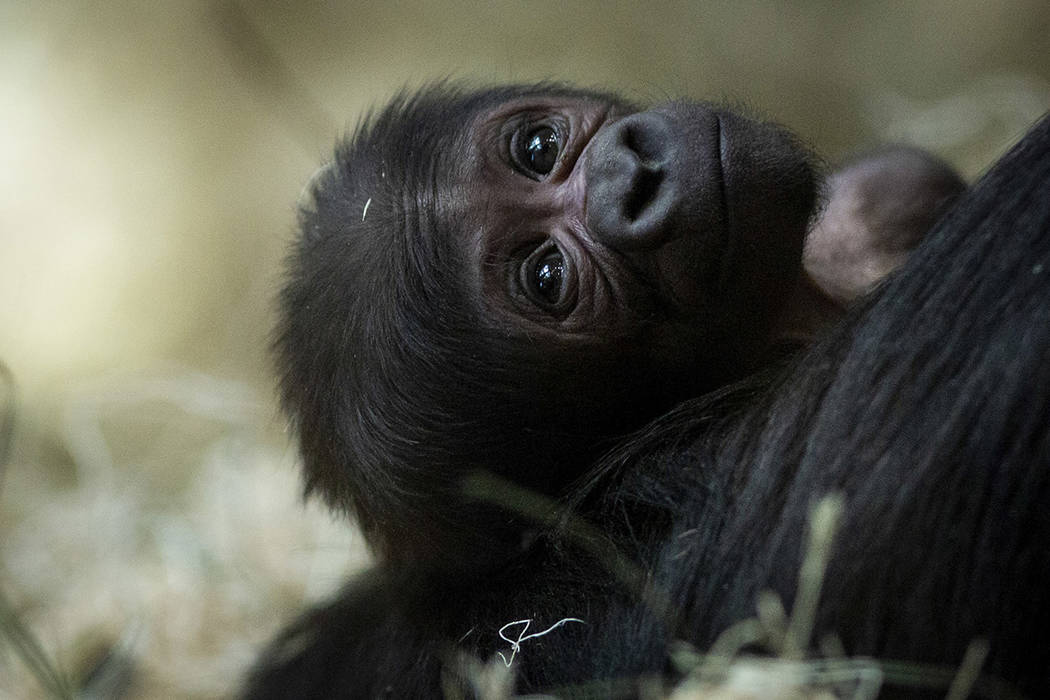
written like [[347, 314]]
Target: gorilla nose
[[630, 195]]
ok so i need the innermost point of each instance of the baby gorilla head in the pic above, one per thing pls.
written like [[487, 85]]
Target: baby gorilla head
[[507, 280]]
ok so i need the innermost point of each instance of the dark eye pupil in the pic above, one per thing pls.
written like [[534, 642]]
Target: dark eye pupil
[[541, 149], [548, 277]]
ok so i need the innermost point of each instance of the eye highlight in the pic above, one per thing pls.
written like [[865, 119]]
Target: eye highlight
[[544, 277], [535, 150], [548, 277]]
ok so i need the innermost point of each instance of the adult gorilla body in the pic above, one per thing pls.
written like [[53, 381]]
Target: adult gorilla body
[[926, 407]]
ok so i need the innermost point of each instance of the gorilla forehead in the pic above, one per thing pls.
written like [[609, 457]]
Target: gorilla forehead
[[403, 180], [425, 136]]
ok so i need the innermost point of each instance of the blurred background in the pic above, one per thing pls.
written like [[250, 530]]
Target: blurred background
[[152, 535]]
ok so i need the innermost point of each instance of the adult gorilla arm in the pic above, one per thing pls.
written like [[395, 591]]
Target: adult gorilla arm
[[929, 410]]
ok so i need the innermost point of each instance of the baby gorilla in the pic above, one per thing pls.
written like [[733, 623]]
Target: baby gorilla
[[507, 281], [510, 280]]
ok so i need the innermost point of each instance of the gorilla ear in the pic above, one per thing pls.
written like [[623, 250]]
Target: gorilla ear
[[880, 207], [307, 200]]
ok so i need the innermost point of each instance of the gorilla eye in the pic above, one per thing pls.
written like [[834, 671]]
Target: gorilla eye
[[541, 147], [543, 278], [537, 152]]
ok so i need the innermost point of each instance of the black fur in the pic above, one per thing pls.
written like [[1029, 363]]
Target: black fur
[[927, 408]]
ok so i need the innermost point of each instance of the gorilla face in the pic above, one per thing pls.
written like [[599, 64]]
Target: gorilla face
[[590, 218]]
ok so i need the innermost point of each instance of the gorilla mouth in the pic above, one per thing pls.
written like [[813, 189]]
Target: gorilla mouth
[[768, 185], [694, 199]]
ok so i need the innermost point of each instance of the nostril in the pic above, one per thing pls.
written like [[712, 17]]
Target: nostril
[[645, 141], [643, 189]]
